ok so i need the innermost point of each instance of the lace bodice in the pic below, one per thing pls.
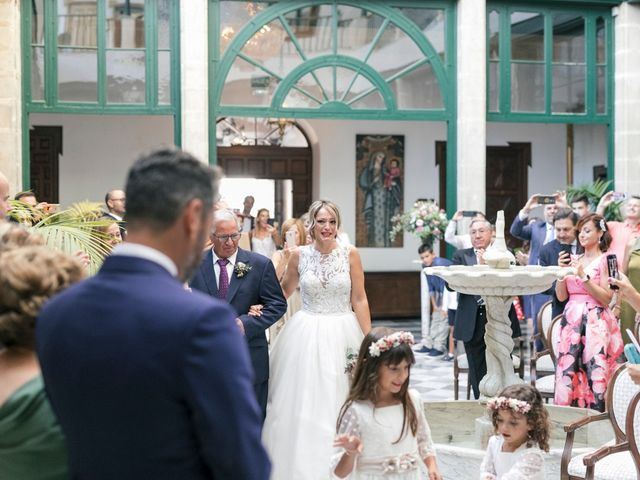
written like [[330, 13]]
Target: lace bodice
[[325, 280], [523, 464]]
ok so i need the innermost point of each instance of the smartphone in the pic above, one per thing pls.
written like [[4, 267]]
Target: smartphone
[[567, 249], [469, 213], [612, 266], [270, 221], [619, 196], [290, 238], [632, 350], [546, 199]]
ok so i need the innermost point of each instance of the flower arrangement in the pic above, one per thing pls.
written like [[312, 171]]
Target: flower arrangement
[[518, 406], [425, 220], [242, 269]]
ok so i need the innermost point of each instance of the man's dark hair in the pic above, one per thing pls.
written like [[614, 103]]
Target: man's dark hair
[[162, 183], [580, 198], [563, 213], [26, 193], [425, 247], [107, 197]]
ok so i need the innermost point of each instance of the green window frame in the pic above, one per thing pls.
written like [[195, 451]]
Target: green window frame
[[51, 102], [597, 62]]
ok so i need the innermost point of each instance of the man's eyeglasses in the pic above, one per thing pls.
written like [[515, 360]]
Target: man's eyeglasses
[[223, 238]]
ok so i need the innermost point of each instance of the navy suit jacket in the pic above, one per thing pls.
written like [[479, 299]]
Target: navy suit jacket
[[258, 286], [549, 257], [535, 233], [149, 380], [467, 312]]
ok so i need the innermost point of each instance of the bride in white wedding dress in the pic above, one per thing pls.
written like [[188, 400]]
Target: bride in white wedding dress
[[308, 383]]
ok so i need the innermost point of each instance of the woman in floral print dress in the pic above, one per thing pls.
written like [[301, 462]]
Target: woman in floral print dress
[[590, 340]]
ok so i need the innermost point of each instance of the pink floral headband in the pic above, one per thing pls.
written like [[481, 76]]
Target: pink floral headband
[[499, 403], [390, 341]]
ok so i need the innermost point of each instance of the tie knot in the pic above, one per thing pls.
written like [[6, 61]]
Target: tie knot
[[223, 262]]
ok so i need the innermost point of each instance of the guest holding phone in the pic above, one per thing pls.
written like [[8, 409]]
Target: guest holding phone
[[264, 237], [590, 339], [632, 297]]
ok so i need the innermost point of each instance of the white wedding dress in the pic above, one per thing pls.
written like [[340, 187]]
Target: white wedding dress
[[308, 384]]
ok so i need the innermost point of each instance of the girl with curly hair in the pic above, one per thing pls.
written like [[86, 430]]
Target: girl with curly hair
[[521, 424], [381, 430]]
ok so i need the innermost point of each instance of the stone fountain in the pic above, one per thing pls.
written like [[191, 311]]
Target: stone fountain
[[461, 443]]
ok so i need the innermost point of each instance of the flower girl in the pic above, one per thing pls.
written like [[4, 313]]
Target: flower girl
[[522, 426], [382, 432]]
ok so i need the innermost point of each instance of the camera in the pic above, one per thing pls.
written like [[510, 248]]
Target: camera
[[617, 196], [469, 213], [546, 199]]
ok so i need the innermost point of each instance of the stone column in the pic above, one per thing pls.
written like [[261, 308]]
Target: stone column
[[627, 98], [10, 94], [194, 77], [472, 114]]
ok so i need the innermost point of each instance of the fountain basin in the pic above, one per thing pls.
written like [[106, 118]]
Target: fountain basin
[[461, 444]]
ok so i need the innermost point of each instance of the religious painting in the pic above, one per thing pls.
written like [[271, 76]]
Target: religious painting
[[379, 188]]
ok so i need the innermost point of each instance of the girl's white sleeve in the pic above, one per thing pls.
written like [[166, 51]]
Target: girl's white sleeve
[[425, 443], [487, 467], [349, 425], [530, 465]]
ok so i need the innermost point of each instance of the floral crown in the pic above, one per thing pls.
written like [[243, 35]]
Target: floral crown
[[390, 341], [603, 225], [499, 403]]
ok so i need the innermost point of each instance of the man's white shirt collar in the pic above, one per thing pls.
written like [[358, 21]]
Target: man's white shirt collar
[[232, 258], [145, 252]]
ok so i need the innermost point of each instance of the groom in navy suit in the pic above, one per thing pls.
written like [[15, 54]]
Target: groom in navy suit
[[248, 282], [147, 379]]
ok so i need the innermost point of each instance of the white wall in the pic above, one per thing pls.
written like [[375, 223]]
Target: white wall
[[589, 149], [97, 150], [548, 171], [334, 144]]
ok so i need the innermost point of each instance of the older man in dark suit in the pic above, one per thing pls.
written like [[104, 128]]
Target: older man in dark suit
[[149, 380], [471, 315], [248, 282]]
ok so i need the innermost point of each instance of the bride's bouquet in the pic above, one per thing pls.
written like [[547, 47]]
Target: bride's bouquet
[[425, 220]]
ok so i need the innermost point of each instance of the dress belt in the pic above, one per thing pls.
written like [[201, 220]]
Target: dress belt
[[389, 465]]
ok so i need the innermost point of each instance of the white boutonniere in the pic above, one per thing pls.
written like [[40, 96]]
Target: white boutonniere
[[242, 269]]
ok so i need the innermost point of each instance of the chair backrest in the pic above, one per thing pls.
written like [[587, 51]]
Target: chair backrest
[[553, 338], [544, 320], [633, 429], [620, 391]]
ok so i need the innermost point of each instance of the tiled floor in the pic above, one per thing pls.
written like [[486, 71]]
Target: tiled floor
[[432, 376]]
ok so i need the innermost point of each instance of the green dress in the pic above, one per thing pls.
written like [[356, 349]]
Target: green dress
[[628, 314], [31, 442]]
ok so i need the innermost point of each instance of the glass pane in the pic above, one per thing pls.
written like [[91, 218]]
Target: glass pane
[[125, 76], [568, 89], [373, 100], [235, 15], [601, 95], [432, 22], [77, 75], [37, 22], [125, 25], [37, 73], [494, 86], [312, 27], [601, 40], [356, 30], [527, 87], [164, 24], [296, 99], [271, 47], [360, 85], [164, 78], [568, 38], [344, 77], [77, 23], [394, 52], [418, 89], [527, 36], [246, 84], [494, 35]]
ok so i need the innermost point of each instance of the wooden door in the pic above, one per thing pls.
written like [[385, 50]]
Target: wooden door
[[45, 148], [272, 162]]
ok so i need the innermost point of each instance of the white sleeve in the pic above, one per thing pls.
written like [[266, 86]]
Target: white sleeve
[[450, 235], [530, 464], [349, 425], [423, 436], [487, 467]]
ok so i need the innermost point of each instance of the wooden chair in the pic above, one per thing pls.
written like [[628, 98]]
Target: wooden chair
[[546, 385], [461, 365], [618, 459], [541, 364]]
